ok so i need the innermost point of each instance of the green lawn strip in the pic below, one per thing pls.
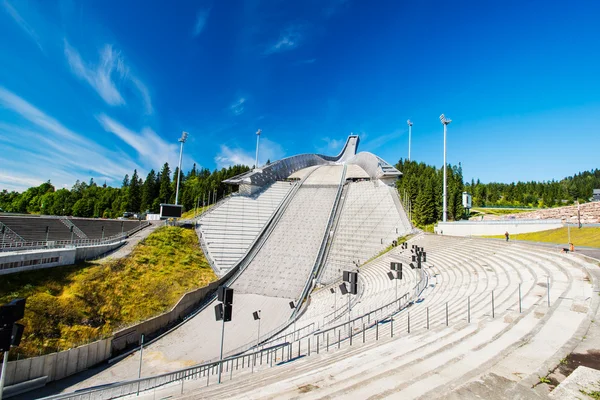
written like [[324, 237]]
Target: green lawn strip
[[193, 212], [587, 237]]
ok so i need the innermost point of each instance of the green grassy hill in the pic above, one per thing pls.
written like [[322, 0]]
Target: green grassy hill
[[72, 305]]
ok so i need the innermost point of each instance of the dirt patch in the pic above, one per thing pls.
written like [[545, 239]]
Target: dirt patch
[[307, 388], [590, 359], [543, 284]]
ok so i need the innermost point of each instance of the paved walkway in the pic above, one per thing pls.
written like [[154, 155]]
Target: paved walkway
[[125, 250]]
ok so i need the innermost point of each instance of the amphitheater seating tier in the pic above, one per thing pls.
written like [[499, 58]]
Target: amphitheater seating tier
[[33, 229], [283, 264], [370, 220], [516, 345], [230, 229]]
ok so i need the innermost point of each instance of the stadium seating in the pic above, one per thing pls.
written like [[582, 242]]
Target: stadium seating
[[33, 229], [93, 227], [516, 341], [283, 264], [370, 220], [229, 229]]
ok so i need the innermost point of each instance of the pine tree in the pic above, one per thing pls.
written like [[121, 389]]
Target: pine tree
[[149, 192], [425, 208], [165, 190], [134, 193], [125, 181]]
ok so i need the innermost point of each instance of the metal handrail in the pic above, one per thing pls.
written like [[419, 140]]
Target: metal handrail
[[319, 259], [50, 244], [138, 385]]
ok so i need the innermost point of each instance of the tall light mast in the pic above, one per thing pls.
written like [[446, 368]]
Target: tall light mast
[[445, 122], [410, 124]]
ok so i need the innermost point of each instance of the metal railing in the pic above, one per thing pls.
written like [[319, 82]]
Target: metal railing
[[310, 282], [52, 244], [204, 370], [253, 359]]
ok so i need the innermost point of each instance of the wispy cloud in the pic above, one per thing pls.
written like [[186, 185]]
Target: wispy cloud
[[201, 19], [289, 39], [308, 61], [22, 23], [331, 147], [380, 140], [237, 108], [108, 75], [41, 148], [151, 148], [268, 150]]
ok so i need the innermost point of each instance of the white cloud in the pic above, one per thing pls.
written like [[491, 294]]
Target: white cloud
[[289, 39], [201, 19], [228, 157], [380, 140], [22, 23], [12, 182], [237, 108], [152, 149], [332, 147], [108, 75], [42, 148], [268, 150], [17, 104]]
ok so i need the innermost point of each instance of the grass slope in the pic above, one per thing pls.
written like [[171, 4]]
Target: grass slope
[[72, 305], [588, 237], [194, 212]]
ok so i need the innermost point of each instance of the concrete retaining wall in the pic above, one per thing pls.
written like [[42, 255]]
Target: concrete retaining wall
[[187, 302], [90, 252], [66, 256], [58, 365], [488, 228]]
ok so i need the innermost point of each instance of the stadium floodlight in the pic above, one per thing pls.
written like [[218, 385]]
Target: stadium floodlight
[[445, 121], [258, 132], [410, 124], [181, 140]]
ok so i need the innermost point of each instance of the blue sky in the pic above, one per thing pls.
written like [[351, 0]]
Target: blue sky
[[98, 88]]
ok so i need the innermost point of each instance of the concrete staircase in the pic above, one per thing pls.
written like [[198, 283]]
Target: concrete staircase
[[508, 346], [230, 228]]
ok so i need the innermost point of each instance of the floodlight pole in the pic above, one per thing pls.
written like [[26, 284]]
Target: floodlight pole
[[222, 337], [181, 140], [258, 339], [334, 303], [349, 327], [445, 122], [257, 140], [410, 124]]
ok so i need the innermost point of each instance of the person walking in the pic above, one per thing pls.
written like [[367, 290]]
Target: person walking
[[506, 235]]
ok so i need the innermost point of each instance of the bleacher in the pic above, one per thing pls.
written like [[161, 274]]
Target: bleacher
[[478, 310], [229, 229], [93, 227], [282, 265], [499, 353], [370, 220], [33, 229]]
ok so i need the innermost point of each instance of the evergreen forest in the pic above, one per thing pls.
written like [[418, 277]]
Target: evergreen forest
[[135, 194], [420, 183]]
